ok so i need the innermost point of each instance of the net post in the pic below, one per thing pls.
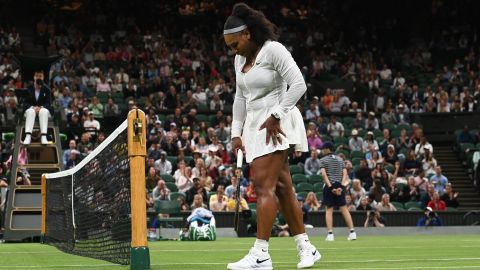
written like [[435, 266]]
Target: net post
[[44, 208], [137, 151]]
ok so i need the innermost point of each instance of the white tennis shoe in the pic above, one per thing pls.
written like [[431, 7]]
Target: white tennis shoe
[[352, 236], [308, 257], [330, 237], [255, 259]]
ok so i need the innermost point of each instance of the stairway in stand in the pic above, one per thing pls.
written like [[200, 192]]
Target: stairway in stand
[[469, 198]]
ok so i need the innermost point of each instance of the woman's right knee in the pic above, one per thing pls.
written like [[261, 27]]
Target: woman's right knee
[[30, 112]]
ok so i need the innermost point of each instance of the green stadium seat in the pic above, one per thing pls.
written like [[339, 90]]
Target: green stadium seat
[[315, 178], [340, 140], [187, 159], [295, 169], [171, 186], [167, 207], [345, 152], [451, 209], [302, 194], [304, 187], [298, 178], [63, 137], [398, 205], [389, 126], [318, 187], [377, 133], [414, 209], [172, 159], [167, 178], [8, 136], [390, 168], [319, 196], [409, 205], [356, 161], [252, 206], [202, 118], [175, 195], [357, 154]]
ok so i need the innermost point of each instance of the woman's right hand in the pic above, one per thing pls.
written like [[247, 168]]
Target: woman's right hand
[[237, 144]]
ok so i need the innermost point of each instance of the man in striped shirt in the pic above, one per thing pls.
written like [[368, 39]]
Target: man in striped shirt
[[334, 174]]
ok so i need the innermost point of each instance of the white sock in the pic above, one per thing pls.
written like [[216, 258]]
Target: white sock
[[261, 245], [302, 240]]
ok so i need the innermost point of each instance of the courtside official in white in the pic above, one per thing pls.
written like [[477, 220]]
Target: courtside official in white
[[266, 124], [38, 103]]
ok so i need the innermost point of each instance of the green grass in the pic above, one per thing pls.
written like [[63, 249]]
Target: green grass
[[372, 252]]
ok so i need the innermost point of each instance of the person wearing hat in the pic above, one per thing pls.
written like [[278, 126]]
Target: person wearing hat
[[37, 102], [402, 116], [355, 143], [334, 174], [163, 165], [265, 124], [370, 142], [429, 218], [371, 123], [91, 124]]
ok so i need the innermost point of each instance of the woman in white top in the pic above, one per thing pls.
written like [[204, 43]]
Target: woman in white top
[[266, 123]]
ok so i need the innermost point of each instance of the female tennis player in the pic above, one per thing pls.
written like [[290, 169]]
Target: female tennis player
[[265, 125]]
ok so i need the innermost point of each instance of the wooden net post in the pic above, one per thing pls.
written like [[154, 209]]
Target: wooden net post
[[137, 151]]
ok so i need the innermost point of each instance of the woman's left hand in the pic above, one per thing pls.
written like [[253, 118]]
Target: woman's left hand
[[273, 130]]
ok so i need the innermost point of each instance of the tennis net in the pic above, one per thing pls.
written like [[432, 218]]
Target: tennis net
[[88, 210]]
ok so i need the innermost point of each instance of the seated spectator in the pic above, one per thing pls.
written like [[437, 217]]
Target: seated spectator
[[212, 161], [364, 173], [200, 96], [385, 204], [151, 180], [231, 188], [363, 204], [427, 196], [370, 142], [391, 156], [312, 113], [96, 107], [403, 141], [411, 165], [422, 147], [195, 190], [72, 145], [198, 202], [111, 109], [402, 117], [450, 197], [436, 203], [312, 164], [349, 203], [216, 104], [163, 165], [371, 123], [205, 179], [359, 121], [430, 218], [91, 124], [412, 193], [311, 203], [218, 201], [153, 151], [335, 129], [357, 191], [232, 203], [322, 128], [161, 192], [389, 117], [73, 160], [439, 181], [429, 163], [377, 190], [372, 157], [355, 143], [183, 181], [183, 204], [385, 141], [313, 139]]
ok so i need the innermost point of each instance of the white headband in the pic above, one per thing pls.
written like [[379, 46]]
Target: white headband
[[235, 30]]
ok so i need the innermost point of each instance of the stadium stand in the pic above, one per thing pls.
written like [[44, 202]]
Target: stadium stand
[[394, 91]]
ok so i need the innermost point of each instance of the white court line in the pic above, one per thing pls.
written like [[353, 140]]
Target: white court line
[[244, 249]]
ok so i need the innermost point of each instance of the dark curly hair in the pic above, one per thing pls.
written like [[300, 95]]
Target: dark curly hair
[[260, 28]]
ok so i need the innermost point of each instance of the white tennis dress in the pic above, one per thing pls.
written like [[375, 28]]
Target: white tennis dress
[[263, 90]]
